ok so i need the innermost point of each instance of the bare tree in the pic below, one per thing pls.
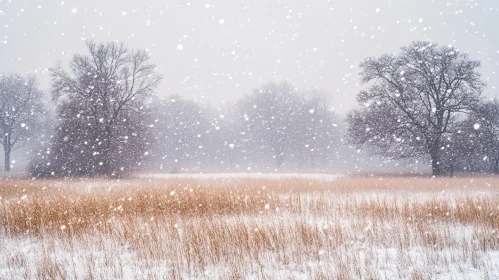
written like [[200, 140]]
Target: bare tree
[[269, 114], [315, 129], [483, 127], [102, 93], [20, 108], [414, 100], [296, 125]]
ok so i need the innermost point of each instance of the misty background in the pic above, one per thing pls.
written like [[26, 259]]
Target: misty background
[[215, 52]]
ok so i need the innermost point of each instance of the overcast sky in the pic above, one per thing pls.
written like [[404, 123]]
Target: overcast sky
[[220, 50]]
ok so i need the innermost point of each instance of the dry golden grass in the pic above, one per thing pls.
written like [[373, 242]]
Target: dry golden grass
[[352, 228]]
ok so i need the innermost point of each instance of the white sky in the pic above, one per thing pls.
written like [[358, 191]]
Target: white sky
[[220, 50]]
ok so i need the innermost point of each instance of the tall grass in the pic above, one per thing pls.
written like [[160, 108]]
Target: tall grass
[[352, 228]]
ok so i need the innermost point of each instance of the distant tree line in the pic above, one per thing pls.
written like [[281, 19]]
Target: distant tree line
[[425, 102], [276, 122]]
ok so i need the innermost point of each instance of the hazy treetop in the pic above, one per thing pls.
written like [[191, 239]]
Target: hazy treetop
[[219, 50]]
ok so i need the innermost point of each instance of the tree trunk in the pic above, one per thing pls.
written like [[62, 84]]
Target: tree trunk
[[7, 149], [436, 166], [7, 160], [496, 165], [106, 151]]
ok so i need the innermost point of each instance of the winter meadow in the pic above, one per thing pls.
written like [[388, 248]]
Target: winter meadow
[[249, 140]]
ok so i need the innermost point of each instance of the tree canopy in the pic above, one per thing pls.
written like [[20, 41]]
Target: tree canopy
[[414, 100]]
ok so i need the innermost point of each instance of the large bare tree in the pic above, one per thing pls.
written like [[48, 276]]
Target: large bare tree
[[20, 108], [414, 100], [269, 114], [104, 96]]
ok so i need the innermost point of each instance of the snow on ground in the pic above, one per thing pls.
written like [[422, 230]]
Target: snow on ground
[[203, 176], [92, 257]]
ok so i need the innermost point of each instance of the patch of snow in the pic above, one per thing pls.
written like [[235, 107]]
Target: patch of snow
[[225, 176]]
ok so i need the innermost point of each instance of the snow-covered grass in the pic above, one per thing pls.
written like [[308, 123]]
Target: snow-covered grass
[[250, 228]]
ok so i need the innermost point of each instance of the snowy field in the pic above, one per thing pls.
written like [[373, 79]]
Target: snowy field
[[250, 228], [228, 176]]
